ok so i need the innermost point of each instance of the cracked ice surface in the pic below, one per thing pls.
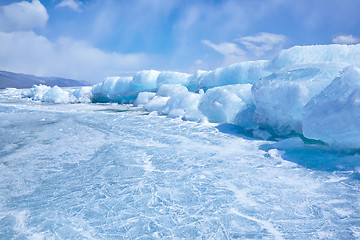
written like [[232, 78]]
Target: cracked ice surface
[[86, 171]]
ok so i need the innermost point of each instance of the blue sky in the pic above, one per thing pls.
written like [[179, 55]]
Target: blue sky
[[93, 39]]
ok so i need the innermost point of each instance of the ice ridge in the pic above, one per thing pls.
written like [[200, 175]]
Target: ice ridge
[[313, 91]]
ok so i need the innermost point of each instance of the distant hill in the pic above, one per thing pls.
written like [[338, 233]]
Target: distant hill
[[19, 80]]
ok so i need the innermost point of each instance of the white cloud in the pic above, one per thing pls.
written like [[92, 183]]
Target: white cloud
[[263, 45], [72, 4], [23, 16], [29, 53], [260, 46], [231, 51], [21, 50], [198, 62], [346, 39]]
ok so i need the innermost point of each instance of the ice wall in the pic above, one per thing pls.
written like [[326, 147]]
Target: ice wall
[[126, 89], [298, 92]]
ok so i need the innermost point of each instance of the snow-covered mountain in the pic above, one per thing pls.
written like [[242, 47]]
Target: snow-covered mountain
[[20, 80]]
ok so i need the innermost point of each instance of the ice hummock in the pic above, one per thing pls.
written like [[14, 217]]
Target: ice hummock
[[222, 104], [261, 96], [57, 95], [36, 93], [333, 116], [174, 100], [280, 98]]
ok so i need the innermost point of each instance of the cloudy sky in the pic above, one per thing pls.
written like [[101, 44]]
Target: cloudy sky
[[92, 39]]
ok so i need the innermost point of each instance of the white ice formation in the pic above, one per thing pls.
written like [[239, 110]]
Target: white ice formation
[[312, 91]]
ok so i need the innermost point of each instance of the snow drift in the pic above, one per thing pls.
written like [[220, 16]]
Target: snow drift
[[301, 91]]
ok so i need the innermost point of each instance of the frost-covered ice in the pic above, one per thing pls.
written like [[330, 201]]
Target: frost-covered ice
[[109, 171]]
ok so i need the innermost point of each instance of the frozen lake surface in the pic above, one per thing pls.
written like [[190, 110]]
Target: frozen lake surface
[[91, 171]]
